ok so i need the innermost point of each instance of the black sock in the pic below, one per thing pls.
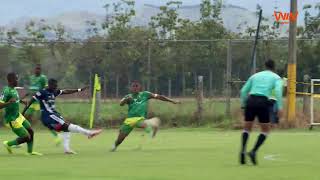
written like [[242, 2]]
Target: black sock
[[245, 137], [261, 139]]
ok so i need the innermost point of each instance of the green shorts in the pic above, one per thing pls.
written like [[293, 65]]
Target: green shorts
[[19, 126], [130, 123], [33, 108]]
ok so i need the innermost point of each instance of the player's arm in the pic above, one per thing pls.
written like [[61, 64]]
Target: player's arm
[[37, 96], [71, 91], [28, 104], [44, 82], [278, 94], [23, 102], [163, 98], [125, 100], [5, 104], [6, 99], [245, 91], [27, 94]]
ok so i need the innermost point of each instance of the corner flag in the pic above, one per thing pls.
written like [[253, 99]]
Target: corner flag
[[96, 87]]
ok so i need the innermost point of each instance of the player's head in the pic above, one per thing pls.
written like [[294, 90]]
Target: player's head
[[135, 87], [52, 84], [37, 69], [12, 79], [270, 65]]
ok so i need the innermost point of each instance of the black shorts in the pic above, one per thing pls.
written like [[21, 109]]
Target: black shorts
[[257, 106]]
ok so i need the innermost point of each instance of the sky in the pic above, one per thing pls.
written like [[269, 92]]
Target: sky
[[11, 10]]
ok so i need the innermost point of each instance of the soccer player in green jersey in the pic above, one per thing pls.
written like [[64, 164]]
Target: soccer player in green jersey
[[137, 102], [37, 82], [20, 126]]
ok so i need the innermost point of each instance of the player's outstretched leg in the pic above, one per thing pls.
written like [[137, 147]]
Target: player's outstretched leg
[[124, 131], [78, 129], [121, 137], [151, 126]]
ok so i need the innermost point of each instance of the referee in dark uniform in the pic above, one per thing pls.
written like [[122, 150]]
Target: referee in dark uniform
[[255, 96]]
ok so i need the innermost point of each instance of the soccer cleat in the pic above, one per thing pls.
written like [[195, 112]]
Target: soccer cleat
[[70, 152], [17, 146], [34, 154], [94, 133], [9, 149], [242, 158], [252, 156], [113, 149], [58, 141]]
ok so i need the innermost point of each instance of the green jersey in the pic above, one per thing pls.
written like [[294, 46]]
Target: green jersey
[[37, 83], [12, 110], [138, 107]]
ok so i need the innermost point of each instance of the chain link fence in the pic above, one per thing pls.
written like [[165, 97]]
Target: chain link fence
[[166, 67]]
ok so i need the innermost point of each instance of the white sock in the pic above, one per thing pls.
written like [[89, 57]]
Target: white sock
[[77, 129], [66, 141]]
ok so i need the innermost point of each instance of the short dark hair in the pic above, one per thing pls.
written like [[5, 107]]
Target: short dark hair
[[135, 82], [270, 64], [52, 81], [11, 75]]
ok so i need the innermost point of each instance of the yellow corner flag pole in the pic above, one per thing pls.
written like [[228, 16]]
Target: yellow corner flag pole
[[96, 87]]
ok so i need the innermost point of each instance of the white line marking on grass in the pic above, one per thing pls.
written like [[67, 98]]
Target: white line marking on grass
[[271, 157], [275, 157]]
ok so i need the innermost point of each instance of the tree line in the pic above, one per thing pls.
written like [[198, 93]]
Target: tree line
[[160, 55]]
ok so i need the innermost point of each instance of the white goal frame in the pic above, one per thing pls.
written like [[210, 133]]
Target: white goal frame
[[312, 123]]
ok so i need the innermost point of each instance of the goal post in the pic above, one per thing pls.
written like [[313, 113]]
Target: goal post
[[314, 95]]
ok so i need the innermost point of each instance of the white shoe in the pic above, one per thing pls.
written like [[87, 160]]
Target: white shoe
[[70, 152], [114, 148], [95, 133]]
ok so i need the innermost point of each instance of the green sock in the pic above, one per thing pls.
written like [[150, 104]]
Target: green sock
[[13, 143], [54, 133], [30, 147], [148, 129]]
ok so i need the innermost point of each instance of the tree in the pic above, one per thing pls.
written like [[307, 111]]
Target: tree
[[311, 22], [167, 21]]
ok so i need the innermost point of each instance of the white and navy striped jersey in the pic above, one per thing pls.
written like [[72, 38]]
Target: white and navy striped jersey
[[46, 99]]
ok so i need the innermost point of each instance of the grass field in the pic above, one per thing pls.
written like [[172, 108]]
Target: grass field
[[185, 154]]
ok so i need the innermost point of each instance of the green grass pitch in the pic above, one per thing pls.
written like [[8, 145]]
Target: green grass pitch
[[185, 154]]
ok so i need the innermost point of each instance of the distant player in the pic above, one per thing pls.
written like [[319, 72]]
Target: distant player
[[274, 118], [37, 82], [20, 126], [137, 102], [52, 119], [255, 96]]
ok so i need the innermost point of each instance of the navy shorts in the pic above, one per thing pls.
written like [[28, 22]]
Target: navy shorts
[[274, 112], [53, 121]]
